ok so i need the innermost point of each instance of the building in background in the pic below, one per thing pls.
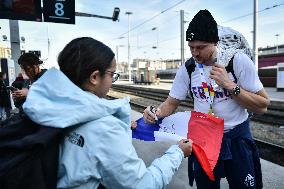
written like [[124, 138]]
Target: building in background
[[172, 63], [5, 52]]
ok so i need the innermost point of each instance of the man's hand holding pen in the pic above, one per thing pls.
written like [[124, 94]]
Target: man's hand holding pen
[[151, 114]]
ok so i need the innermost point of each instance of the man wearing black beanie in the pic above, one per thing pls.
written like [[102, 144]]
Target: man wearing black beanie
[[203, 27], [202, 35], [226, 95]]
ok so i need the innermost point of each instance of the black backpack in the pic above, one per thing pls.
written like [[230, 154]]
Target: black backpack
[[190, 67], [29, 154]]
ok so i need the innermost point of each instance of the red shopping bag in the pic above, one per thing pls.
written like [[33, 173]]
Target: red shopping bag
[[206, 132]]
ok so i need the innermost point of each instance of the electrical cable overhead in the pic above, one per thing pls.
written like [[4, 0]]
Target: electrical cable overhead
[[162, 41], [267, 8], [158, 26], [137, 26]]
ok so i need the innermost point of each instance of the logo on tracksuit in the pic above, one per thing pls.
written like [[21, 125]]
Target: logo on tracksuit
[[76, 139], [249, 180]]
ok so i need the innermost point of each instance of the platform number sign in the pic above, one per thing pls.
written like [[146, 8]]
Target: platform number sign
[[59, 11]]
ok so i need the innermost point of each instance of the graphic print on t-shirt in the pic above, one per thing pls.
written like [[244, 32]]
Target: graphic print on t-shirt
[[198, 91]]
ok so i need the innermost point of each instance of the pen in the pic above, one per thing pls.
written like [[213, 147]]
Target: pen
[[153, 110]]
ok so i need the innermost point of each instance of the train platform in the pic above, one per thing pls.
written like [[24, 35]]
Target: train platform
[[275, 96], [273, 174]]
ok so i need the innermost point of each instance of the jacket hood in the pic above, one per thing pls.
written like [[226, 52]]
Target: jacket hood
[[55, 101]]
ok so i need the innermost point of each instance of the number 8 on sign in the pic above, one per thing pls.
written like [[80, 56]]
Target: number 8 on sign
[[59, 8]]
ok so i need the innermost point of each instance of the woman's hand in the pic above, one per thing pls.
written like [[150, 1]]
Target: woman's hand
[[186, 146], [133, 125]]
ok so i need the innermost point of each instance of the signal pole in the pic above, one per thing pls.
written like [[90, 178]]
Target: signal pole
[[129, 68], [182, 36], [277, 35], [15, 44], [255, 47]]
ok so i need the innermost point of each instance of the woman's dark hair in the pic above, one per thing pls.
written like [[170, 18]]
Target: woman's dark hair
[[82, 56]]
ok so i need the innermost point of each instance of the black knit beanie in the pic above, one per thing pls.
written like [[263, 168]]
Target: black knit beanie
[[202, 27]]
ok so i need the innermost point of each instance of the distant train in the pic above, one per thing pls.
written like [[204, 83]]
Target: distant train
[[267, 76], [166, 74]]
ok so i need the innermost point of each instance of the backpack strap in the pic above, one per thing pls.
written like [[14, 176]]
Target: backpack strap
[[190, 67], [230, 68]]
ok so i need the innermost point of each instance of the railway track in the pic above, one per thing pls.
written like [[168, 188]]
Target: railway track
[[274, 114], [141, 98]]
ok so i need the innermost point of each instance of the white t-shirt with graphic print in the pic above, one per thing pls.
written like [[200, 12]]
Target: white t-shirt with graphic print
[[223, 106]]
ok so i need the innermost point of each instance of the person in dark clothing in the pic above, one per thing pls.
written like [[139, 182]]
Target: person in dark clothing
[[20, 83], [5, 105], [30, 65]]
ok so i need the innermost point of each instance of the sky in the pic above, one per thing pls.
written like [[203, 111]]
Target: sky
[[236, 14]]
